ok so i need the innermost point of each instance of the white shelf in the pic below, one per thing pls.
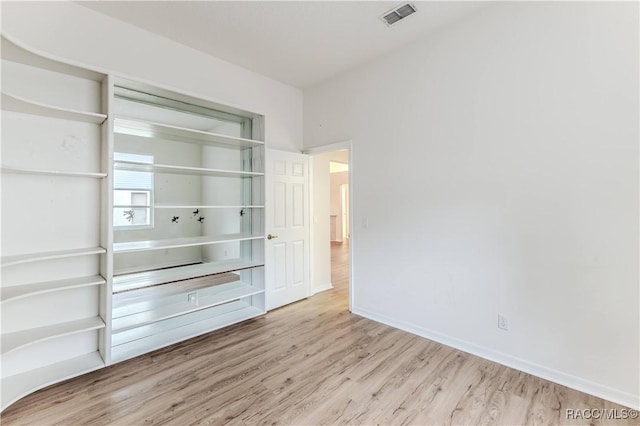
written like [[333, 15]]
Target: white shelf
[[145, 298], [19, 385], [26, 290], [18, 104], [134, 246], [140, 319], [50, 255], [18, 339], [163, 168], [195, 324], [149, 129], [16, 53], [26, 171], [146, 279], [176, 206], [51, 330], [151, 309]]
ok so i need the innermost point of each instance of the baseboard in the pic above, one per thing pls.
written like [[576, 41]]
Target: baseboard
[[322, 287], [596, 389]]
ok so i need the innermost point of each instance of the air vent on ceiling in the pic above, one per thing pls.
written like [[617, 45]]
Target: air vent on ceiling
[[399, 13]]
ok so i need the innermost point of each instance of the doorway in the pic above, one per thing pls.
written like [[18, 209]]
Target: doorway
[[338, 201], [331, 219]]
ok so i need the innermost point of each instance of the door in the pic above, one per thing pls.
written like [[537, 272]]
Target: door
[[287, 226]]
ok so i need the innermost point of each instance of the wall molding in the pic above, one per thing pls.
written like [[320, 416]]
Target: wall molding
[[559, 377]]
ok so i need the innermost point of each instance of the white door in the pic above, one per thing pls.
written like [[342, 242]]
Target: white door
[[287, 225]]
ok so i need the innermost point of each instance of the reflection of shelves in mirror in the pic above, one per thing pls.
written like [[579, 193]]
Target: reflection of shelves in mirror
[[50, 255], [176, 206], [147, 295], [163, 168], [175, 295], [25, 290], [24, 171], [16, 386], [124, 319], [160, 334], [18, 339], [159, 276], [134, 246], [18, 104], [149, 129]]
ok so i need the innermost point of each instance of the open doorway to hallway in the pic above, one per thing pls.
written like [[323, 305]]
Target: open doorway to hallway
[[339, 198], [339, 231], [340, 267], [331, 222]]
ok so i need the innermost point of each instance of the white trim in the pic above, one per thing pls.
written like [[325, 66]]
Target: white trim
[[568, 380]]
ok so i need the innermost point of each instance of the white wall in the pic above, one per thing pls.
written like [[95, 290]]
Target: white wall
[[321, 273], [337, 179], [500, 175], [76, 33]]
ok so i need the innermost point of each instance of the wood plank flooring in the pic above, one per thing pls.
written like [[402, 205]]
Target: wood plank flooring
[[308, 363]]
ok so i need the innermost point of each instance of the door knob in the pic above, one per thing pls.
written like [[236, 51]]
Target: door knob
[[271, 237]]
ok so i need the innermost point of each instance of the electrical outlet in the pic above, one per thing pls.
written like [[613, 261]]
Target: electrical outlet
[[503, 322], [193, 298]]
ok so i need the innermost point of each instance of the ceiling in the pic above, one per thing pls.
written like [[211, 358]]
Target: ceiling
[[300, 43]]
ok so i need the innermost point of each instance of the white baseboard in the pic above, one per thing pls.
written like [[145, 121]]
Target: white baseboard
[[322, 287], [568, 380]]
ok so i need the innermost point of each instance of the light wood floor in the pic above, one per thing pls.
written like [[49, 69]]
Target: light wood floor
[[308, 363]]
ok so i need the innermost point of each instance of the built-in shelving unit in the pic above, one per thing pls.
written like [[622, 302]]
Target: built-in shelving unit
[[204, 240], [182, 328], [149, 129], [53, 120], [49, 255], [198, 171], [18, 339], [199, 264], [25, 290], [138, 319], [126, 283], [20, 385], [27, 171], [177, 206], [140, 220], [26, 106]]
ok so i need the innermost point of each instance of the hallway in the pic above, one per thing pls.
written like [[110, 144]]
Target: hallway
[[340, 269]]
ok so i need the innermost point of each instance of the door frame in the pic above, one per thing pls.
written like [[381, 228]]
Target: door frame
[[322, 149]]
